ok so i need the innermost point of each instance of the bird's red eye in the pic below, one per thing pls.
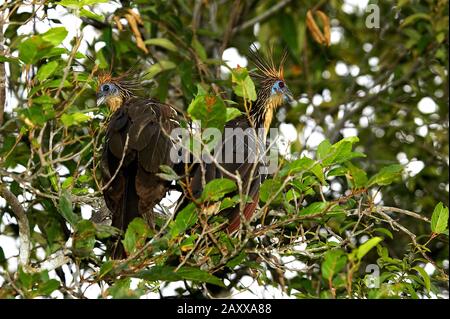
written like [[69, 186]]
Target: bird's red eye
[[281, 84]]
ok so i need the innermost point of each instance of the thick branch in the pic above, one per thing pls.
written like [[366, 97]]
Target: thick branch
[[24, 226], [2, 73]]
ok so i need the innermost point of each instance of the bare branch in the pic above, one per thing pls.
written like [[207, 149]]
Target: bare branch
[[261, 17], [24, 226]]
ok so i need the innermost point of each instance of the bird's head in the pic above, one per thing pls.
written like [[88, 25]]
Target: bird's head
[[112, 91], [272, 88], [280, 89]]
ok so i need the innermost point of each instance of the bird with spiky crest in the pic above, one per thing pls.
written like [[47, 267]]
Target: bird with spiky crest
[[137, 142], [272, 92]]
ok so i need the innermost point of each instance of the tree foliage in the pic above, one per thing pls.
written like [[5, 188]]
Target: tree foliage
[[349, 217]]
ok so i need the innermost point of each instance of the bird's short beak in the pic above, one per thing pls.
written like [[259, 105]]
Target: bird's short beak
[[288, 95], [100, 99]]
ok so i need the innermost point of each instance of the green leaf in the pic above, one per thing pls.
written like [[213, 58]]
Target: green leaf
[[47, 287], [158, 67], [236, 260], [103, 231], [67, 183], [121, 290], [338, 171], [30, 48], [9, 59], [136, 235], [74, 4], [344, 153], [83, 238], [359, 176], [439, 219], [188, 243], [39, 114], [70, 119], [25, 279], [164, 273], [318, 171], [198, 47], [425, 277], [46, 70], [333, 262], [232, 113], [80, 3], [384, 231], [217, 188], [2, 257], [44, 99], [91, 15], [386, 175], [302, 165], [268, 189], [162, 42], [168, 173], [323, 149], [367, 246], [210, 110], [244, 86], [195, 274], [167, 273], [414, 17], [105, 269], [314, 208], [186, 218], [351, 139], [65, 209], [55, 35]]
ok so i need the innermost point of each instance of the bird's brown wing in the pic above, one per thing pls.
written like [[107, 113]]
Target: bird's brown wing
[[136, 188], [248, 170]]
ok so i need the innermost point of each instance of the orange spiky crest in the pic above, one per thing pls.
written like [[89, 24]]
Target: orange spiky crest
[[104, 78], [266, 66], [127, 85]]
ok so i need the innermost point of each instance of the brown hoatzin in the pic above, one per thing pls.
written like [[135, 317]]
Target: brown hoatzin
[[272, 92], [137, 142]]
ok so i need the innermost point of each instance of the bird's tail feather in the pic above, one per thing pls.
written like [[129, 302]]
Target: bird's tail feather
[[128, 210]]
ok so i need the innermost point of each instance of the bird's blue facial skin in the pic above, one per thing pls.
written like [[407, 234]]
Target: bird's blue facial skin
[[105, 92], [279, 87], [108, 89]]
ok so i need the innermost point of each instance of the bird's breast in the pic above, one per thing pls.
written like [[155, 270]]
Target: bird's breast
[[114, 103], [272, 103]]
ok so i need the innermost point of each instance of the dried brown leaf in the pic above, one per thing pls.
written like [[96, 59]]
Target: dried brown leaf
[[319, 36], [137, 34], [326, 26]]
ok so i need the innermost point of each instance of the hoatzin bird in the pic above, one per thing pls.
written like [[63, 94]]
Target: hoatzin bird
[[137, 142], [272, 92]]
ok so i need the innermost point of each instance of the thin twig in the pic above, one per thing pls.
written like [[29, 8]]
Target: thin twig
[[262, 16], [120, 164]]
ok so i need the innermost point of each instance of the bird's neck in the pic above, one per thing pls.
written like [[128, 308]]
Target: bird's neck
[[114, 103], [263, 110]]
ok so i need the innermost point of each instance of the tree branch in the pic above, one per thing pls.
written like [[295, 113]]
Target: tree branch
[[24, 226], [261, 17], [2, 73]]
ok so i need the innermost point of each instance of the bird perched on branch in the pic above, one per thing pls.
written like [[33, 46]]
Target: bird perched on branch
[[137, 142], [272, 92]]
